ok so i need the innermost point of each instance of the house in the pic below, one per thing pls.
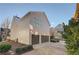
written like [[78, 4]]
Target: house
[[57, 31], [60, 28], [32, 28], [4, 33]]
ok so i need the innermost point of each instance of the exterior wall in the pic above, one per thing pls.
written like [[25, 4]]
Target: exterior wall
[[20, 30], [14, 27]]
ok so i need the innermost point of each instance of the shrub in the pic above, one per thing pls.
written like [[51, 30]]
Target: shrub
[[5, 47], [0, 38], [24, 49]]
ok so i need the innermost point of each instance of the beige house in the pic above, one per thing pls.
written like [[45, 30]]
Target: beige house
[[32, 28]]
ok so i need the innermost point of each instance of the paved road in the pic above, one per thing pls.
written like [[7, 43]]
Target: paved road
[[48, 49]]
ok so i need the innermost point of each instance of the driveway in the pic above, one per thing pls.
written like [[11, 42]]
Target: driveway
[[48, 49]]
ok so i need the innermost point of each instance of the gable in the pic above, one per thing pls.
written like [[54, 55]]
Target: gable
[[39, 22]]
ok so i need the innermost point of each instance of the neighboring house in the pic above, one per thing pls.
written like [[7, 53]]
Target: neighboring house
[[57, 31], [59, 27], [4, 33], [58, 35], [32, 28]]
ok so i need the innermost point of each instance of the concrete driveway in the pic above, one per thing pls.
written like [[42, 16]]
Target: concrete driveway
[[48, 49]]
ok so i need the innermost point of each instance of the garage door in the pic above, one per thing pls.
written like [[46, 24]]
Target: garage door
[[44, 38], [35, 39]]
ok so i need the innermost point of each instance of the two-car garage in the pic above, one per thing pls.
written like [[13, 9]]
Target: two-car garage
[[36, 39]]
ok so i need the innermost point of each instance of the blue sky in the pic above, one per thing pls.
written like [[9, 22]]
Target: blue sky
[[56, 13]]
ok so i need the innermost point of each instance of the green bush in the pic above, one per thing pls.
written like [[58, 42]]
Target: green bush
[[0, 38], [24, 49], [5, 47]]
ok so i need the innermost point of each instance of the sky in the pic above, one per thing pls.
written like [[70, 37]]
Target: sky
[[56, 12]]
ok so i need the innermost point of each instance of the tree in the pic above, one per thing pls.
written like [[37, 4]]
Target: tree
[[5, 25], [71, 35]]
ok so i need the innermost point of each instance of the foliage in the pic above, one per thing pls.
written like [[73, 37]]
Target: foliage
[[24, 49], [71, 35], [5, 47]]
